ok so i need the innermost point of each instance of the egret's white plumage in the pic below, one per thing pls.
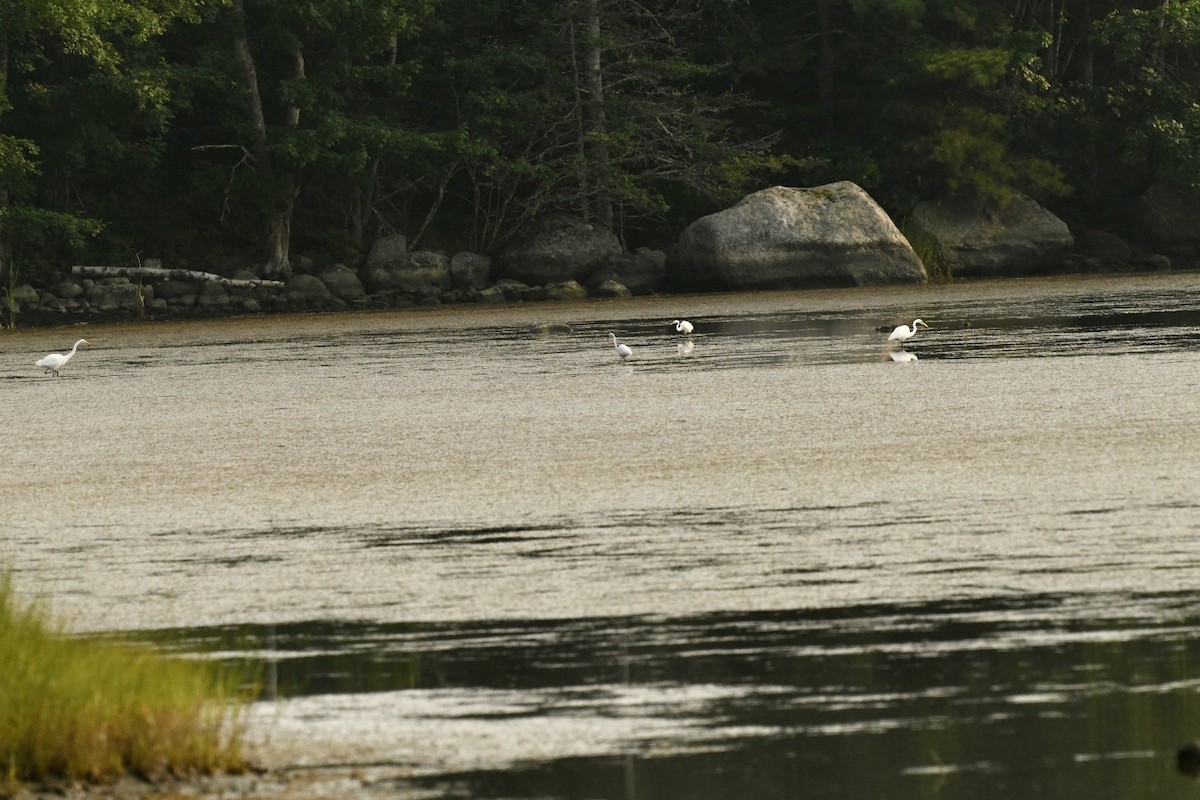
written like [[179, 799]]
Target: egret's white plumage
[[622, 350], [683, 326], [904, 332], [56, 361]]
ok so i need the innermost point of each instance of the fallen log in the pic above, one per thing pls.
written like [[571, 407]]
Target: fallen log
[[161, 274]]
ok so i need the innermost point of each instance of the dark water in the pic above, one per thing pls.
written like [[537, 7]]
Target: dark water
[[479, 560], [1038, 696]]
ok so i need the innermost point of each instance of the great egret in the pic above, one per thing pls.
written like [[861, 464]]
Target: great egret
[[904, 332], [683, 326], [56, 361], [622, 350]]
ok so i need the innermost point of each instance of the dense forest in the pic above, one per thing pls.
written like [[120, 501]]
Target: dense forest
[[215, 133]]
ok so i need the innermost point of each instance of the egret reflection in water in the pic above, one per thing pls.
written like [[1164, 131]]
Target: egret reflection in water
[[902, 356]]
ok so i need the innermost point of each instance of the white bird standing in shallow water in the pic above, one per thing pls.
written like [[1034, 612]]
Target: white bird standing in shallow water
[[904, 332], [56, 361], [683, 326], [622, 350]]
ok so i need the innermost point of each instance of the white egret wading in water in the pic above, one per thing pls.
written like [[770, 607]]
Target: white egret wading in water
[[904, 332], [622, 350], [56, 361], [683, 326]]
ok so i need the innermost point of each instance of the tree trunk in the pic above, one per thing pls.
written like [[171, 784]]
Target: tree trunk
[[5, 243], [252, 96], [436, 204], [1051, 57], [364, 202], [585, 205], [825, 65], [280, 185], [1087, 45], [1088, 74], [364, 197], [1160, 44], [597, 121]]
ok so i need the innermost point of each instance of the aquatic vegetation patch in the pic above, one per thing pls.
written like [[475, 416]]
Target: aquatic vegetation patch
[[90, 709], [937, 263]]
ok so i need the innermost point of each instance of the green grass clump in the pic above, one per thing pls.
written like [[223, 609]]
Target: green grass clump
[[929, 250], [95, 710]]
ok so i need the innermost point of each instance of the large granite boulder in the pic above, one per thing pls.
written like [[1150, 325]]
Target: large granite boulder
[[611, 289], [416, 271], [26, 296], [212, 296], [567, 290], [471, 271], [387, 248], [1164, 218], [342, 282], [179, 292], [782, 237], [68, 290], [306, 286], [559, 249], [1020, 238], [114, 295], [641, 271]]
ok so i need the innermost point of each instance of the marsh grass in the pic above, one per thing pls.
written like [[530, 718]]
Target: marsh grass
[[929, 250], [95, 710]]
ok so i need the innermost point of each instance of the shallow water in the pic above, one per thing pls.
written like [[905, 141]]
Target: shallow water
[[768, 561]]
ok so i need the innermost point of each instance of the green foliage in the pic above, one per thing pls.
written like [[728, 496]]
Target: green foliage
[[88, 709], [46, 238], [1147, 110], [971, 151], [973, 68], [18, 162]]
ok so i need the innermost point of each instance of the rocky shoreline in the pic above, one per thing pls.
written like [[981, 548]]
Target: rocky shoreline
[[776, 238]]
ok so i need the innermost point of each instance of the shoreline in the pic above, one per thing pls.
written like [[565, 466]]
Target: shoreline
[[903, 296], [75, 301]]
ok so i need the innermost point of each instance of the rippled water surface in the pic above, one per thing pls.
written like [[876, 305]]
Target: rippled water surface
[[483, 558]]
